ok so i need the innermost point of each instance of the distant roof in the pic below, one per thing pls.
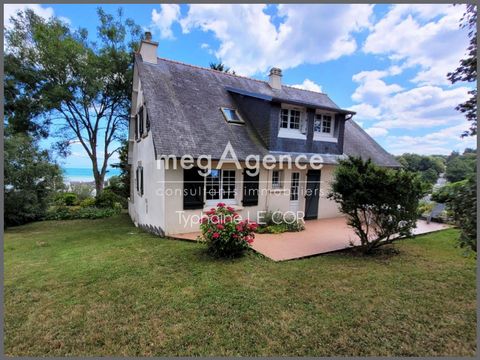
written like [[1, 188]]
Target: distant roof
[[183, 102]]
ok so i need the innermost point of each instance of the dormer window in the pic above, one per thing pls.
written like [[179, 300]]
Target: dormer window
[[323, 127], [232, 116], [293, 122]]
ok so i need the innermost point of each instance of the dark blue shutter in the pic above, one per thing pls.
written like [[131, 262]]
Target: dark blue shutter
[[250, 189], [192, 189]]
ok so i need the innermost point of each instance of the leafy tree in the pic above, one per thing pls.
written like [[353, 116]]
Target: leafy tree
[[378, 202], [467, 70], [121, 184], [221, 67], [460, 167], [84, 85], [30, 180], [429, 167]]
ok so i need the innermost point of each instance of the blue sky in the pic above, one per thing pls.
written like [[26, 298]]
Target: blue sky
[[387, 62]]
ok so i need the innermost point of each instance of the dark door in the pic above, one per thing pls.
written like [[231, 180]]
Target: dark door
[[312, 194]]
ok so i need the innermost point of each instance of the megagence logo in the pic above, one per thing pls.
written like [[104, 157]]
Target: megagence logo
[[253, 163]]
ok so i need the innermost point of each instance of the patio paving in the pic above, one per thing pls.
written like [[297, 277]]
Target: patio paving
[[319, 237]]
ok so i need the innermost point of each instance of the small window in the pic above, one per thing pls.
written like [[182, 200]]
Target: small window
[[323, 124], [220, 185], [276, 179], [140, 120], [290, 119], [232, 116], [294, 186]]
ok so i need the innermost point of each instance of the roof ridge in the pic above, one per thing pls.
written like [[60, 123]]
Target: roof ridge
[[235, 75], [210, 69]]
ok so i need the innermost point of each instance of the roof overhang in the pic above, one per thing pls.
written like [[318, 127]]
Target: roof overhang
[[287, 101]]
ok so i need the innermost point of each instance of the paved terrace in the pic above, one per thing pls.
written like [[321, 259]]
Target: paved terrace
[[319, 237]]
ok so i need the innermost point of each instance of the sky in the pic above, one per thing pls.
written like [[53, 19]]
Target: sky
[[386, 62]]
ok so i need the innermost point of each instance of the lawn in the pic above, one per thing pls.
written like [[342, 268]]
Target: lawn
[[104, 287]]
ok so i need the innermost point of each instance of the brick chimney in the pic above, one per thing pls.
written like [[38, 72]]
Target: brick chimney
[[275, 78], [148, 49]]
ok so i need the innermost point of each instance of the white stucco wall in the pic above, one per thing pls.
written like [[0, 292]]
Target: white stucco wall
[[327, 208]]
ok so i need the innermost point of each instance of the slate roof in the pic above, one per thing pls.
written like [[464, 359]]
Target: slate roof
[[183, 102]]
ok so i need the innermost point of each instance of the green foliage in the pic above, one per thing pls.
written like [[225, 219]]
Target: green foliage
[[221, 67], [116, 185], [72, 213], [30, 179], [377, 201], [275, 222], [89, 202], [82, 190], [61, 74], [122, 187], [429, 167], [467, 70], [66, 199], [108, 199], [461, 200], [460, 167], [224, 234]]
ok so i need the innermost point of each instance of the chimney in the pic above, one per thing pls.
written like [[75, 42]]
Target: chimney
[[275, 78], [148, 49]]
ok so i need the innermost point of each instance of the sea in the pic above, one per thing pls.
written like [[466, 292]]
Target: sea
[[85, 174]]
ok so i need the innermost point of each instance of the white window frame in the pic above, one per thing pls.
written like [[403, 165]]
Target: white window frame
[[295, 186], [323, 136], [237, 122], [279, 183], [211, 202], [293, 133]]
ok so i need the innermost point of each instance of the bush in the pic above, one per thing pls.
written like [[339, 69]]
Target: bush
[[275, 222], [71, 213], [66, 199], [89, 202], [224, 234], [82, 190], [379, 202], [108, 199]]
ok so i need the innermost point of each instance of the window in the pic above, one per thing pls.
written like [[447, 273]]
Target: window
[[220, 185], [290, 119], [232, 116], [193, 182], [323, 124], [250, 189], [294, 186], [276, 179], [139, 179], [140, 120]]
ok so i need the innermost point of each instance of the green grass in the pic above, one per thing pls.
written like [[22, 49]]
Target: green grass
[[103, 287]]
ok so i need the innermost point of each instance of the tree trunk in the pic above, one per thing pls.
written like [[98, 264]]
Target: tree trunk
[[98, 176]]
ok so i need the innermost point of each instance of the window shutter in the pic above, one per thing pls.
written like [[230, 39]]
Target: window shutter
[[140, 120], [192, 189], [147, 120], [136, 127], [137, 180], [141, 180], [250, 189]]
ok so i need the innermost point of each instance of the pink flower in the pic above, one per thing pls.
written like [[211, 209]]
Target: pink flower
[[231, 209], [216, 235], [220, 205], [253, 226], [215, 219], [239, 227], [220, 227], [249, 239], [204, 220]]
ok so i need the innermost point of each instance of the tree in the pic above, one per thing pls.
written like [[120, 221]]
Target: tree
[[121, 186], [84, 85], [467, 70], [428, 167], [378, 202], [460, 167], [30, 180], [221, 67]]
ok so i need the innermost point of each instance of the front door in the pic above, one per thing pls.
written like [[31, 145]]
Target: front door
[[312, 194]]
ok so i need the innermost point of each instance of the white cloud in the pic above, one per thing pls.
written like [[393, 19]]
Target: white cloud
[[163, 20], [421, 35], [376, 131], [365, 111], [251, 43], [308, 85], [440, 142], [372, 89], [10, 10]]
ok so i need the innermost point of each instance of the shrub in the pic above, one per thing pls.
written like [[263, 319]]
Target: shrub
[[89, 202], [71, 213], [224, 234], [82, 190], [275, 222], [107, 199], [378, 202], [66, 199]]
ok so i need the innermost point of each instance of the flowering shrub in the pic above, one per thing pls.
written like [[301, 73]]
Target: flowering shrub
[[224, 233]]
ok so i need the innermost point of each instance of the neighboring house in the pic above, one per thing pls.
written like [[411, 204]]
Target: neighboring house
[[180, 109]]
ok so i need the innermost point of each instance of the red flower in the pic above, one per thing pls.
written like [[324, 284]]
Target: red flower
[[253, 226], [239, 227], [220, 227], [220, 205], [216, 235], [231, 209], [215, 219], [204, 220], [228, 219], [248, 239]]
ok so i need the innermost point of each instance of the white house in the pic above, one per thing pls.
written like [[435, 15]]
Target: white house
[[181, 111]]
